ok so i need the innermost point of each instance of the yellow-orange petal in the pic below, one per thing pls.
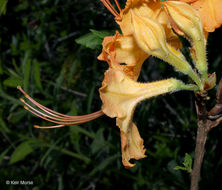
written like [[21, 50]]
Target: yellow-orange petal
[[151, 9], [120, 95], [122, 52], [210, 12], [131, 144]]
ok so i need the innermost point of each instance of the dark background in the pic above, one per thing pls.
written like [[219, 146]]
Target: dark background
[[40, 53]]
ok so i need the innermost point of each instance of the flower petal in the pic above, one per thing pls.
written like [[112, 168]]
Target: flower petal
[[149, 9], [210, 12], [131, 144], [120, 49], [120, 95]]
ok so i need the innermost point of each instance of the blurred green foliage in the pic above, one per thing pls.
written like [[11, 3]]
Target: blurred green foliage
[[187, 164], [43, 49], [3, 4]]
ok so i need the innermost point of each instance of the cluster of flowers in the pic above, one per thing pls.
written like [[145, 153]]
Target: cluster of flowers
[[148, 27]]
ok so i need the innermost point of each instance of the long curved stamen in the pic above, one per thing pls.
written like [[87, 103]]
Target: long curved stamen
[[110, 7], [51, 112], [74, 119], [57, 122], [55, 117]]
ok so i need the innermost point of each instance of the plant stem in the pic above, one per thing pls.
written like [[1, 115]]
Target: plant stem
[[199, 154], [201, 138], [206, 121]]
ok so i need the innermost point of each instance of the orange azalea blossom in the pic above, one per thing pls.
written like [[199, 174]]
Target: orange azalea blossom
[[210, 12], [123, 49], [125, 54], [119, 49], [146, 8], [120, 95]]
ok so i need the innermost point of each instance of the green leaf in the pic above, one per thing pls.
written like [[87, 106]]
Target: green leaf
[[187, 164], [12, 82], [26, 70], [1, 68], [99, 141], [3, 4], [89, 40], [90, 99], [93, 39], [3, 126], [50, 149], [15, 117], [70, 153], [104, 164], [180, 168], [24, 149], [59, 81], [8, 97], [37, 74], [103, 33], [2, 155]]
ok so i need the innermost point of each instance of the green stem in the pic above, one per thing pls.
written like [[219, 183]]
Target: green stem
[[183, 66], [191, 87], [199, 58]]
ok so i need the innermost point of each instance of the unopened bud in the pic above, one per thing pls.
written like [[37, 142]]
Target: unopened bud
[[186, 21], [151, 37]]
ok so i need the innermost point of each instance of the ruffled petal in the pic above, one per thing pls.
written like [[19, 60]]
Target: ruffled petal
[[122, 52], [131, 144], [120, 95]]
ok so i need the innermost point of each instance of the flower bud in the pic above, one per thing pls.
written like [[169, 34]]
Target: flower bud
[[185, 20], [151, 37]]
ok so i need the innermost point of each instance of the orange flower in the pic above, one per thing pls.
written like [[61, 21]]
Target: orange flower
[[119, 49], [146, 8], [210, 12], [146, 30], [120, 95]]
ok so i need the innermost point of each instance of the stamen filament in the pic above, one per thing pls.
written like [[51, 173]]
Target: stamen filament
[[51, 112], [62, 123], [48, 127], [109, 6], [41, 106], [55, 117], [74, 118], [117, 4]]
